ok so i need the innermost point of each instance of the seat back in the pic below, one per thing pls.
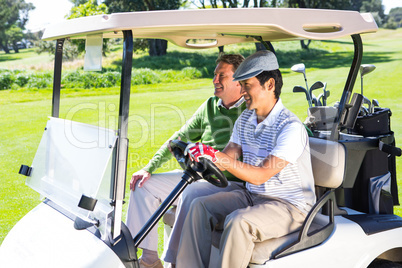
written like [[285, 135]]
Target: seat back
[[328, 162]]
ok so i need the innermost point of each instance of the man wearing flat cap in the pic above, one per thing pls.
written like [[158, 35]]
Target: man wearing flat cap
[[276, 167]]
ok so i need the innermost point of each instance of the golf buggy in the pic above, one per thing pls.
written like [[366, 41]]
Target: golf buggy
[[80, 169]]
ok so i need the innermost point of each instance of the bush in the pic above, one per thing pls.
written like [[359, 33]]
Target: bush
[[147, 76], [6, 80], [40, 80], [190, 73], [22, 79], [144, 76], [81, 79]]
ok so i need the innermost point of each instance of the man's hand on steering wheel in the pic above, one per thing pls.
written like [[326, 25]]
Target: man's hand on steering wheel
[[198, 150], [198, 159]]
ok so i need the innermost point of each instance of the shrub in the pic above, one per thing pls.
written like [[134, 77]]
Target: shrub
[[81, 79], [191, 72], [144, 76], [6, 80], [22, 79], [40, 80]]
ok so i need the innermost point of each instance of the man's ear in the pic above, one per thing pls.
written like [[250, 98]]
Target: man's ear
[[270, 84]]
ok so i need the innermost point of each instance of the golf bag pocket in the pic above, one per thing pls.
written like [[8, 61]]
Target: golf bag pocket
[[377, 123], [380, 197], [321, 117]]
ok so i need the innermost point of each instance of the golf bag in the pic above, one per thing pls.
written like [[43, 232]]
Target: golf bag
[[375, 190]]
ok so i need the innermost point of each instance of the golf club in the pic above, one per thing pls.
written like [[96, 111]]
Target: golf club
[[368, 102], [297, 89], [300, 68], [365, 69], [326, 94], [322, 98], [374, 103], [315, 86]]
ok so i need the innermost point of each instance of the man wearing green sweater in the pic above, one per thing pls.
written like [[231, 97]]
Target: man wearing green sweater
[[212, 125]]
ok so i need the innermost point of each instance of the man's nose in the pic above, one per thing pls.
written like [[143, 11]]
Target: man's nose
[[216, 79], [242, 91]]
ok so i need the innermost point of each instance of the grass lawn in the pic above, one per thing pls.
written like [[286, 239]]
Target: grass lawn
[[158, 110], [26, 59]]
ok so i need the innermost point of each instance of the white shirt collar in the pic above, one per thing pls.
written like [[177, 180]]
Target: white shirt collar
[[236, 105]]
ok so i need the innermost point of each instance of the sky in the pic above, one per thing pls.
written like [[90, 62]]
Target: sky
[[53, 11], [47, 12]]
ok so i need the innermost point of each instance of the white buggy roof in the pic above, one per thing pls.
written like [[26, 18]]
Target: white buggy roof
[[222, 26]]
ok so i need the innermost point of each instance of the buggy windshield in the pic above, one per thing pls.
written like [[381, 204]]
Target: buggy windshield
[[75, 159]]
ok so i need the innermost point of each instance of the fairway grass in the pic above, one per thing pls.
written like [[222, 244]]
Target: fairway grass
[[156, 111]]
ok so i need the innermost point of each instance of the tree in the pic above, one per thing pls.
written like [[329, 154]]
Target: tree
[[14, 34], [321, 4], [396, 13], [78, 2], [73, 48], [83, 9], [70, 50], [157, 47], [236, 3], [12, 13], [376, 8], [324, 4], [88, 8], [394, 18]]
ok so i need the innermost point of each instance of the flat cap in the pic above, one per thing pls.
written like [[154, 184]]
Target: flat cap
[[255, 64]]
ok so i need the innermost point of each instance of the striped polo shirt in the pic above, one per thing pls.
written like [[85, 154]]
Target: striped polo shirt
[[281, 134]]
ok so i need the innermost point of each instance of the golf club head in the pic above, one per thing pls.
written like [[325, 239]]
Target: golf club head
[[366, 100], [327, 93], [317, 85], [364, 111], [316, 101], [299, 68], [369, 106], [298, 89], [374, 103], [366, 68], [322, 98]]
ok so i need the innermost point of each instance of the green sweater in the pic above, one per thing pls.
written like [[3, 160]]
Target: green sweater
[[210, 124]]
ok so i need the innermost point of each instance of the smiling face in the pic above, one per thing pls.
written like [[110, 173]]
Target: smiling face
[[252, 92], [225, 88], [259, 97]]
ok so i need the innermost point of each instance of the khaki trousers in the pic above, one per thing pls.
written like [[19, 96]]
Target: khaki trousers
[[246, 218], [145, 201], [194, 190]]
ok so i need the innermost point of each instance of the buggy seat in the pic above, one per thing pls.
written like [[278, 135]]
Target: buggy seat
[[328, 160], [328, 164]]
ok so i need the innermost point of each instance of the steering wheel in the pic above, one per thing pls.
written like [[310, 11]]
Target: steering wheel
[[208, 170]]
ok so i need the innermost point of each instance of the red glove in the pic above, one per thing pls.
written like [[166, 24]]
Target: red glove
[[197, 150]]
